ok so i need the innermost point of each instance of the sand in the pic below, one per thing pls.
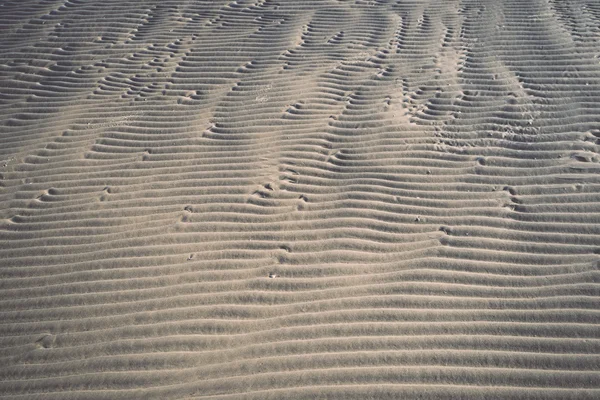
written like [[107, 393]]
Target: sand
[[299, 199]]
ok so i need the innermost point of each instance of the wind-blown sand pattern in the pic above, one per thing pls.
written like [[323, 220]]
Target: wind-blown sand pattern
[[299, 199]]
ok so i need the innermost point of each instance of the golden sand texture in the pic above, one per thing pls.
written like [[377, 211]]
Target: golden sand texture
[[384, 199]]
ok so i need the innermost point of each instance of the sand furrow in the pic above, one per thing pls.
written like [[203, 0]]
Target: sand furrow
[[299, 199]]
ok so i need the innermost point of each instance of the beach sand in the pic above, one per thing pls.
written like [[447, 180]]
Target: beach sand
[[299, 199]]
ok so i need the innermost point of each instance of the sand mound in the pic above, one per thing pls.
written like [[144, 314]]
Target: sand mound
[[299, 199]]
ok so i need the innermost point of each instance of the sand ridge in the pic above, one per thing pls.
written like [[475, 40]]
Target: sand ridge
[[299, 199]]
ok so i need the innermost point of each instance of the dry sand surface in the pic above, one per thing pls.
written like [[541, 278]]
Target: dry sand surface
[[387, 199]]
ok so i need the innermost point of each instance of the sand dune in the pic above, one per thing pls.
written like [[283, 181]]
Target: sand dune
[[299, 199]]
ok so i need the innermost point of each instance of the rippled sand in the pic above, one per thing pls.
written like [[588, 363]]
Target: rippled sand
[[299, 199]]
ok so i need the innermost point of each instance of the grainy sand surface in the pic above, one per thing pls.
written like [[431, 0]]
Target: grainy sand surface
[[299, 199]]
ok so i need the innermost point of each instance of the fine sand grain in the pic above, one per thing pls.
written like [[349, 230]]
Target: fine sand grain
[[386, 199]]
